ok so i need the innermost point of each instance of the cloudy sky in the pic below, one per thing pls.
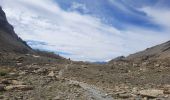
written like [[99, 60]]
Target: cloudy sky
[[90, 30]]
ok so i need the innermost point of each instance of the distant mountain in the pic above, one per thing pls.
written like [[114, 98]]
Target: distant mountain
[[100, 62], [120, 58], [9, 41]]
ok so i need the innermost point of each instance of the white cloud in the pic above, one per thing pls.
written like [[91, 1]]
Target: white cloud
[[83, 36], [160, 16], [80, 6]]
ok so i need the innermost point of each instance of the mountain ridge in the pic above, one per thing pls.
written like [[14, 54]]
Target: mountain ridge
[[9, 41], [159, 51]]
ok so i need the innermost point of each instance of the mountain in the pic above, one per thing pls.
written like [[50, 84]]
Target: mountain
[[9, 41], [159, 51]]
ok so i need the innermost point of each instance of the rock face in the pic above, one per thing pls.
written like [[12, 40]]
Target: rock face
[[9, 41]]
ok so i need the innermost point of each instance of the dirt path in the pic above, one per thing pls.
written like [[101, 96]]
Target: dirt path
[[93, 92]]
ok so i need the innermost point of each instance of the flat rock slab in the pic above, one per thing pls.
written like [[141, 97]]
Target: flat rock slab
[[19, 87], [153, 93]]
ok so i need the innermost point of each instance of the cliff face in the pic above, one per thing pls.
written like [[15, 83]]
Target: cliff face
[[9, 41]]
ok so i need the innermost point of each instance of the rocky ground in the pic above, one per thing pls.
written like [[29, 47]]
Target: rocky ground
[[34, 77]]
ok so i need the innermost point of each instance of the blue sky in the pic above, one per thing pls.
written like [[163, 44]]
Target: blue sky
[[90, 30]]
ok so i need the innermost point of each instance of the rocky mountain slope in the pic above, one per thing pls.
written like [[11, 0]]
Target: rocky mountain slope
[[9, 41], [159, 51]]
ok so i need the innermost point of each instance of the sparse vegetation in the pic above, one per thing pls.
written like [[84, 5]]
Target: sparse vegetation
[[5, 70], [3, 73], [1, 93], [48, 54]]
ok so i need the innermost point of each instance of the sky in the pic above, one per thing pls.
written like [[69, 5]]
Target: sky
[[90, 30]]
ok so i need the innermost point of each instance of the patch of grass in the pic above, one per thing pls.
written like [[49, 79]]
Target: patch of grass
[[1, 93], [3, 73], [30, 83]]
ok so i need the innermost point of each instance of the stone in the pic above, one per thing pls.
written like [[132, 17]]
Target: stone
[[167, 89], [12, 74], [135, 90], [27, 54], [153, 93], [20, 59], [19, 64], [1, 97], [135, 65], [157, 65], [35, 56], [39, 71], [19, 87], [22, 73], [15, 82], [144, 63], [2, 87], [57, 98], [77, 85], [143, 69], [51, 74], [124, 95], [5, 81]]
